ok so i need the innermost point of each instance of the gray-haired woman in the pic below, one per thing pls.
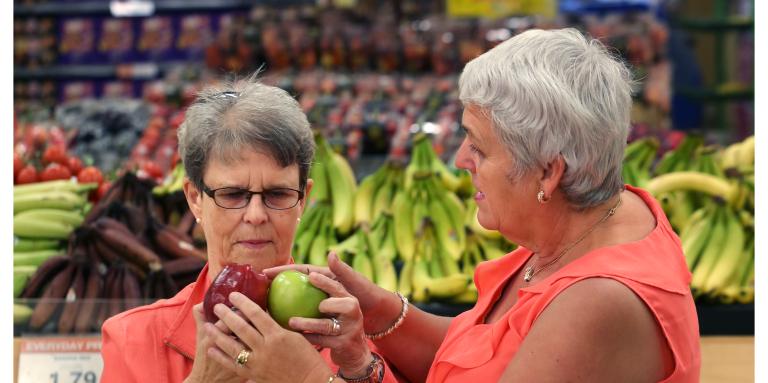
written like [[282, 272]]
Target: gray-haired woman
[[598, 289], [247, 149]]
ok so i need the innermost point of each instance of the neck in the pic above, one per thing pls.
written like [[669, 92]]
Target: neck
[[568, 226]]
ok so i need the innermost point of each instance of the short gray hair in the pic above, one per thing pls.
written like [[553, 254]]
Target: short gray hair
[[556, 92], [228, 118]]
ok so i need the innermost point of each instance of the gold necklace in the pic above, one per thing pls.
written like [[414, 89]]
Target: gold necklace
[[530, 272]]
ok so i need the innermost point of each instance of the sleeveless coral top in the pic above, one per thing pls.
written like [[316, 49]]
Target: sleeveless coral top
[[654, 268]]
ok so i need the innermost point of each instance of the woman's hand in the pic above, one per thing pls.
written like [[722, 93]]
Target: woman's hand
[[343, 334], [274, 354], [204, 368]]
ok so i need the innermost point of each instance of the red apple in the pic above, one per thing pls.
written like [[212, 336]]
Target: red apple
[[235, 277]]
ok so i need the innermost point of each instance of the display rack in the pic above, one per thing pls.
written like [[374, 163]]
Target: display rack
[[100, 7]]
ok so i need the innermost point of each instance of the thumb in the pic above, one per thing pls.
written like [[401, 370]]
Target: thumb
[[197, 313], [354, 282]]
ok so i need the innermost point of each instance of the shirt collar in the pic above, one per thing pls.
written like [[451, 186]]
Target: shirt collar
[[182, 334]]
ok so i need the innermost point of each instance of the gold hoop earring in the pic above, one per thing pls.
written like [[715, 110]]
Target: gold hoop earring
[[540, 197]]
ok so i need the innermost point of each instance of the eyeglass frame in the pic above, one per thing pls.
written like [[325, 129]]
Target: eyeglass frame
[[212, 193]]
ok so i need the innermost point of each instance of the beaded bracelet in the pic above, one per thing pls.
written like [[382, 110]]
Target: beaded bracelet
[[398, 321]]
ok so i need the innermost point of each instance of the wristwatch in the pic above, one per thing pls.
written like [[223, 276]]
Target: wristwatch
[[375, 373]]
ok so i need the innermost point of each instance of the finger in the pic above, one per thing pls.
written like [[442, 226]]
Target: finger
[[227, 362], [345, 273], [322, 326], [197, 313], [344, 306], [240, 327], [253, 313], [302, 268], [225, 343], [329, 285]]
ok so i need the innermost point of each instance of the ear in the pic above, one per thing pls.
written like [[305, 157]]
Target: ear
[[307, 190], [194, 198], [552, 174]]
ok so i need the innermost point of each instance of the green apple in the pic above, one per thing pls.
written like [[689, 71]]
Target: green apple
[[292, 295]]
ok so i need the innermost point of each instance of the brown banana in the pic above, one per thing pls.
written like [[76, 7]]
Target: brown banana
[[73, 300], [117, 295], [44, 273], [174, 246], [131, 290], [86, 316], [129, 246], [51, 298], [183, 266]]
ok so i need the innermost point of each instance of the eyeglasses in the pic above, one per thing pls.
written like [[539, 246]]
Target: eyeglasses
[[236, 198]]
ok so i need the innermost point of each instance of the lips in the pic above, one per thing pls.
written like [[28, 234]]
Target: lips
[[254, 243]]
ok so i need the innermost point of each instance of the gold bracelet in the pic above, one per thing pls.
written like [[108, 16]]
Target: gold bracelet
[[394, 326]]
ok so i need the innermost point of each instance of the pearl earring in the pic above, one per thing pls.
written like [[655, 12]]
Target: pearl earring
[[298, 219], [198, 220]]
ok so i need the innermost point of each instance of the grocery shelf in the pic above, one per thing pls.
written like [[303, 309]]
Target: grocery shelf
[[715, 25], [135, 71], [101, 7], [718, 95]]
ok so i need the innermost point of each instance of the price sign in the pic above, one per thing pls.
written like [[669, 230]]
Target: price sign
[[60, 360]]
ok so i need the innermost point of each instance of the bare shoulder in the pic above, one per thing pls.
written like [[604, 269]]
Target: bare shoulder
[[596, 330]]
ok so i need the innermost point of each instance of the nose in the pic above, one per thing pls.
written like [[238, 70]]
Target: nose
[[464, 158], [255, 211]]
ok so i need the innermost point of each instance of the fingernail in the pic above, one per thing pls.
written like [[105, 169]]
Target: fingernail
[[235, 296]]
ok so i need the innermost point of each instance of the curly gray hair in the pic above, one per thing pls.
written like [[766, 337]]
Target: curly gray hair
[[551, 93], [226, 119]]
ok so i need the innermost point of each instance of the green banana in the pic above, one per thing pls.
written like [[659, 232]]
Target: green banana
[[34, 228], [320, 185], [318, 249], [711, 253], [448, 237], [67, 217], [57, 199], [26, 244], [696, 236], [21, 314], [21, 276], [33, 258], [50, 186]]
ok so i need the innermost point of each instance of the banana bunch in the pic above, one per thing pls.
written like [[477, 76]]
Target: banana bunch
[[719, 251], [424, 195], [45, 214], [371, 252], [639, 157], [334, 184], [172, 183], [315, 233], [376, 192], [708, 195]]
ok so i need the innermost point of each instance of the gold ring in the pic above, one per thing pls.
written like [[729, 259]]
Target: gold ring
[[335, 327], [242, 357]]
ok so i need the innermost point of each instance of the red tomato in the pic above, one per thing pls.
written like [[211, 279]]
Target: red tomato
[[18, 164], [55, 154], [152, 169], [102, 190], [55, 171], [27, 175], [75, 165], [89, 174]]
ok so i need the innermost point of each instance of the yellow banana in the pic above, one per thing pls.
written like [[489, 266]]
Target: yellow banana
[[448, 286], [33, 258], [405, 283], [362, 264], [732, 255], [402, 209], [687, 180], [384, 271], [21, 314], [710, 255], [420, 280], [57, 185], [343, 189], [469, 296], [364, 199], [451, 239]]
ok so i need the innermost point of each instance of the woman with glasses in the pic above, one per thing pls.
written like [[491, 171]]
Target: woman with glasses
[[247, 149]]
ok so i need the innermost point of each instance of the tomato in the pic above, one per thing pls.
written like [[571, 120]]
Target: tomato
[[27, 175], [74, 164], [90, 174], [292, 295], [152, 169], [55, 171], [102, 190], [55, 154], [18, 164]]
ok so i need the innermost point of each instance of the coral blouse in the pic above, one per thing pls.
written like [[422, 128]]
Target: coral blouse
[[654, 268]]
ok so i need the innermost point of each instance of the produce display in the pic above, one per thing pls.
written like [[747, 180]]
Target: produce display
[[708, 193]]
